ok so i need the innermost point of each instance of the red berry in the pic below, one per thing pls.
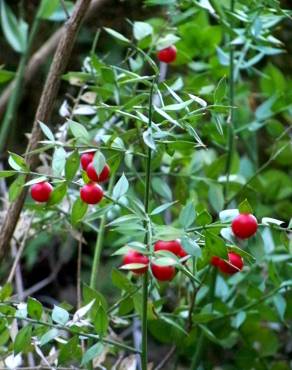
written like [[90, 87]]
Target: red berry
[[235, 264], [172, 246], [41, 191], [85, 159], [167, 55], [215, 261], [91, 193], [244, 226], [92, 174], [136, 257], [163, 273]]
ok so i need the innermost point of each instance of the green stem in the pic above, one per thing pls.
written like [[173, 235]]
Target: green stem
[[144, 349], [13, 102], [99, 242], [74, 332], [230, 137], [201, 340]]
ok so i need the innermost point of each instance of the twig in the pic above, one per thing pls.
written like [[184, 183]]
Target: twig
[[19, 252], [41, 56], [79, 262], [44, 112], [41, 284], [165, 360], [65, 9]]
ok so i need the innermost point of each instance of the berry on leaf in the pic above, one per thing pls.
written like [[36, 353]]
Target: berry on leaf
[[135, 257], [163, 273], [91, 193], [235, 263], [86, 159], [244, 225], [167, 55], [41, 191], [92, 174]]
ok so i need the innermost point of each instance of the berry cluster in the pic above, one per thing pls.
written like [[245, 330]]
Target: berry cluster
[[90, 193], [161, 273], [243, 226]]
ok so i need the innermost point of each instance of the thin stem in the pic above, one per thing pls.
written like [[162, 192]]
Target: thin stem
[[99, 242], [231, 115], [144, 354], [74, 331], [18, 88], [200, 344], [79, 262]]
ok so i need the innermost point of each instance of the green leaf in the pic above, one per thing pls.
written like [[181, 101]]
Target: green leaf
[[161, 208], [161, 187], [245, 207], [6, 76], [116, 35], [59, 161], [72, 165], [59, 315], [121, 281], [148, 138], [79, 210], [58, 194], [17, 162], [142, 30], [34, 308], [46, 131], [216, 197], [93, 352], [47, 8], [99, 162], [216, 245], [204, 218], [7, 173], [238, 320], [36, 180], [22, 340], [70, 352], [15, 31], [79, 131], [280, 304], [121, 187], [101, 321], [166, 41], [48, 336], [191, 247], [16, 188], [187, 215], [90, 294]]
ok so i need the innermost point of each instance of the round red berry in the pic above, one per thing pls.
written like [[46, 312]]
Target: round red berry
[[244, 226], [172, 246], [167, 55], [41, 191], [91, 193], [136, 257], [163, 273], [235, 264], [215, 261], [92, 174], [85, 159]]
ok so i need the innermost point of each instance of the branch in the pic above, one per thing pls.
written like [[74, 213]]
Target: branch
[[40, 56], [44, 111]]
